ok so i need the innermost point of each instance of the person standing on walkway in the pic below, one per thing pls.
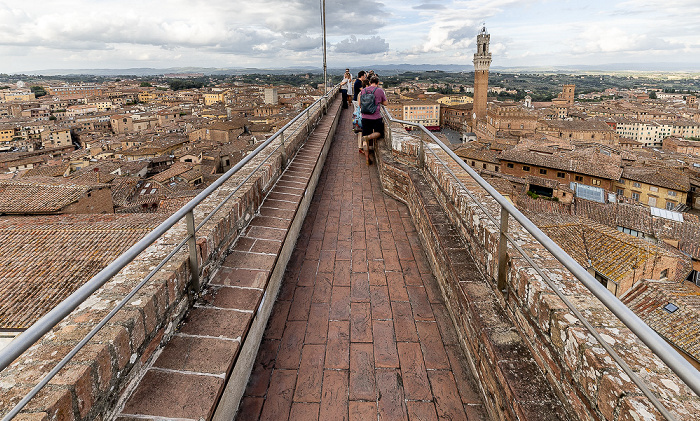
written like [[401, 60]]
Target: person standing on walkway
[[345, 86], [372, 123], [357, 87], [360, 83]]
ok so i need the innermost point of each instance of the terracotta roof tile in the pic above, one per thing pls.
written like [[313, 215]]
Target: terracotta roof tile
[[29, 195], [45, 259], [681, 327]]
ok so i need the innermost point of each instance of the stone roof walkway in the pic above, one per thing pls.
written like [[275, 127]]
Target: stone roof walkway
[[360, 330]]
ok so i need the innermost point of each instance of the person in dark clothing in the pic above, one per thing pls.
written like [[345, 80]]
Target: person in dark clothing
[[358, 84]]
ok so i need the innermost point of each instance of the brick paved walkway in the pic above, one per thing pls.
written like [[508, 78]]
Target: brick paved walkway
[[359, 329]]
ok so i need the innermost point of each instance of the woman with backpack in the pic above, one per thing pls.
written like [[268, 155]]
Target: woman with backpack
[[370, 99]]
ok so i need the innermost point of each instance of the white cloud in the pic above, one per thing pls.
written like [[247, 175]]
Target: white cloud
[[353, 45], [281, 33]]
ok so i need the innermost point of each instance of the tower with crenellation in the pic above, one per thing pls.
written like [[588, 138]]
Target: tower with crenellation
[[482, 63]]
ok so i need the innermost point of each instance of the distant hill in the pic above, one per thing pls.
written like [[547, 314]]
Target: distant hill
[[382, 69]]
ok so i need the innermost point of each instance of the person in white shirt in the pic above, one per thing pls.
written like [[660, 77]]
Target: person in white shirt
[[345, 87]]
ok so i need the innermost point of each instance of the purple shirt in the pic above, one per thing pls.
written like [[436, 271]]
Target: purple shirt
[[379, 97]]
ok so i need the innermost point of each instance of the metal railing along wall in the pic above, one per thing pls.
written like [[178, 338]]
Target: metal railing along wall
[[34, 333], [679, 365]]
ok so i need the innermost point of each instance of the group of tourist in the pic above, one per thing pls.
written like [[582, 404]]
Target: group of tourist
[[366, 84]]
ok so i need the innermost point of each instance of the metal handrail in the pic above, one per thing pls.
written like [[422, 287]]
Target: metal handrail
[[679, 365], [34, 333]]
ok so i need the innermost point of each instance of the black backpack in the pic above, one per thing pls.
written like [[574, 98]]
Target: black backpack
[[367, 104]]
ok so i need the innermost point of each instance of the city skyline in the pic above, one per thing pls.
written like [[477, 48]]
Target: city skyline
[[284, 34]]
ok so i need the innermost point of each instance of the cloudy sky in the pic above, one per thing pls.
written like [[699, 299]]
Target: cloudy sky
[[74, 34]]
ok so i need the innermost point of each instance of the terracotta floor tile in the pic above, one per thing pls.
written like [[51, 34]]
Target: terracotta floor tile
[[277, 320], [317, 327], [340, 303], [397, 286], [359, 287], [391, 404], [304, 411], [419, 303], [338, 348], [377, 275], [433, 348], [341, 274], [301, 303], [385, 352], [308, 387], [359, 260], [250, 408], [460, 369], [322, 288], [362, 383], [279, 397], [360, 322], [290, 347], [334, 399], [360, 410], [327, 261], [404, 324], [413, 372], [307, 273], [444, 386], [379, 298], [421, 411]]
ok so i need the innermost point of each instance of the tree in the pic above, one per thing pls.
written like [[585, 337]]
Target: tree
[[652, 95], [38, 91], [145, 85]]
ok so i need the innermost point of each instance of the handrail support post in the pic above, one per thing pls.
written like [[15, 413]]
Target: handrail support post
[[284, 151], [421, 152], [503, 251], [192, 245]]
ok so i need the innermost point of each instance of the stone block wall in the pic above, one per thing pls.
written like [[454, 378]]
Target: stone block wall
[[90, 385], [584, 377]]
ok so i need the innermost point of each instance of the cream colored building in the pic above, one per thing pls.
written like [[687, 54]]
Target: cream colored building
[[17, 96], [652, 133], [451, 100], [102, 105], [658, 187], [213, 98], [6, 135], [426, 113], [56, 137]]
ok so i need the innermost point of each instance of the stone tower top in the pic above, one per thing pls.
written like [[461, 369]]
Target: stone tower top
[[482, 58]]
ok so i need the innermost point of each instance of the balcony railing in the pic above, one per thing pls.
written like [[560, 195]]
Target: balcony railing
[[34, 333], [679, 365]]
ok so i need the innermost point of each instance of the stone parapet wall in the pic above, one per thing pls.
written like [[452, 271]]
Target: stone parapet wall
[[583, 375], [90, 385]]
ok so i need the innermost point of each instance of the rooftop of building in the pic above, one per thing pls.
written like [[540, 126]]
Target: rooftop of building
[[44, 259]]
